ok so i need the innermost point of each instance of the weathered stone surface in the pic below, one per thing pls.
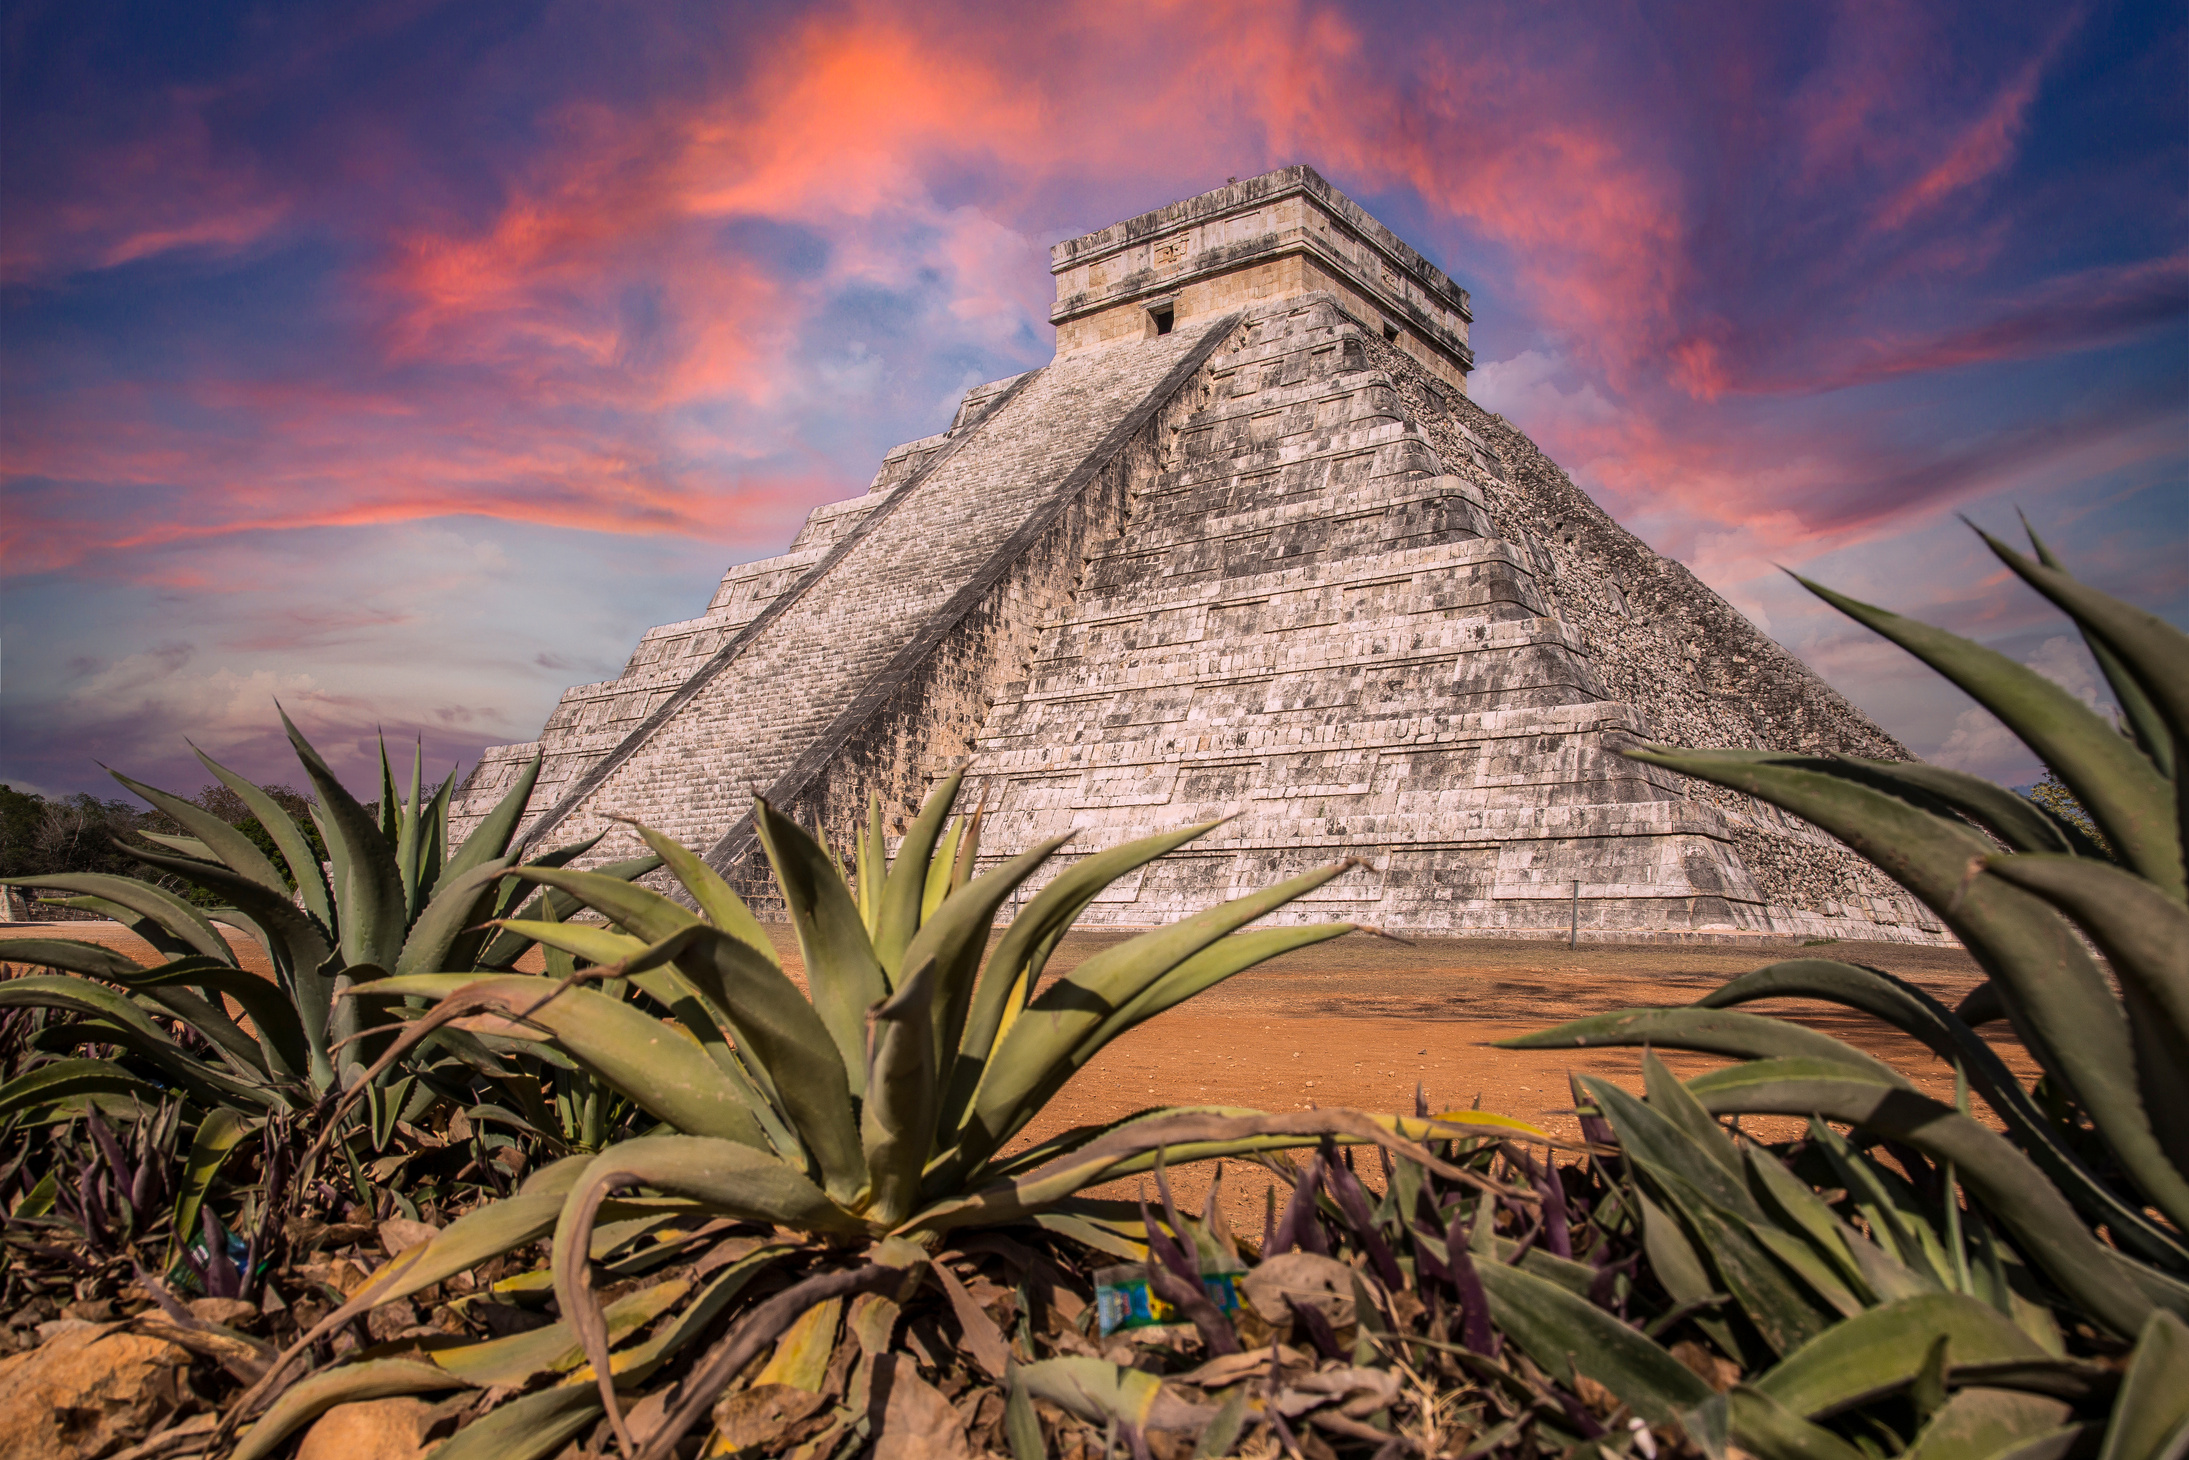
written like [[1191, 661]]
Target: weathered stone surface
[[86, 1391], [1271, 562], [371, 1429]]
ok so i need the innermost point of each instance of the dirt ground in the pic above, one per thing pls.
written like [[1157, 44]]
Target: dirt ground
[[1360, 1021]]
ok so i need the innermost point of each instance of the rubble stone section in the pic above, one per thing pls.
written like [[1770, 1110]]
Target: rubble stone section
[[1244, 548], [1315, 622]]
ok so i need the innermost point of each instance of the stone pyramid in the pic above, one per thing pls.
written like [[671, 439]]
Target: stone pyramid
[[1245, 547]]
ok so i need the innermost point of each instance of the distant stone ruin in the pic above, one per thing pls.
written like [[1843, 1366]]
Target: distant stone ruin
[[1245, 548]]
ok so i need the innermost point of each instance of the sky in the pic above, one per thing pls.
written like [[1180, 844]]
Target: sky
[[404, 362]]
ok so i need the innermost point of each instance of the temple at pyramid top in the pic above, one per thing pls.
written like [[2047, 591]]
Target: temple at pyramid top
[[1256, 241]]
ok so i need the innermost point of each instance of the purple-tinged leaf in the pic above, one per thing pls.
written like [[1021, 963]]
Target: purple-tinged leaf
[[1353, 1202], [1604, 1287], [1475, 1333], [1299, 1227], [1426, 1263], [1311, 1322], [220, 1269]]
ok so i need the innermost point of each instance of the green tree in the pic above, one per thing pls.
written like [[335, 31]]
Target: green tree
[[2055, 797]]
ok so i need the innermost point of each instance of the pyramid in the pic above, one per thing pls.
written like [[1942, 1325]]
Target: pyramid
[[1244, 548]]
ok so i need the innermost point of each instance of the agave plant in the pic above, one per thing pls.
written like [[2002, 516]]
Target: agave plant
[[285, 1079], [393, 898], [2079, 1201], [869, 1111]]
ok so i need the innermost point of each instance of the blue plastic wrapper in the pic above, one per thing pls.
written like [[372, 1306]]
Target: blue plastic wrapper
[[188, 1274], [1124, 1301]]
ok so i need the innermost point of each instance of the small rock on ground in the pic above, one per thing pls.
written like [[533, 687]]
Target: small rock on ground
[[371, 1429], [86, 1391]]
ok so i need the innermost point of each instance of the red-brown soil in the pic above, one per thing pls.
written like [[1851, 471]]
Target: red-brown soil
[[1361, 1021]]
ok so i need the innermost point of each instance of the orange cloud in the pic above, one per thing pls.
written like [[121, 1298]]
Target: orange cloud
[[1984, 147]]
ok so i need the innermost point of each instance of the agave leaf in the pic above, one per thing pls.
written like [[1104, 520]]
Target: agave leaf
[[1211, 966], [479, 1234], [1889, 1205], [941, 870], [435, 836], [1670, 1099], [1096, 1390], [1659, 1146], [1978, 1423], [2149, 650], [130, 1027], [218, 1134], [295, 942], [504, 948], [1022, 1426], [411, 832], [152, 933], [1871, 1275], [368, 890], [1180, 1134], [842, 972], [870, 864], [2151, 1413], [235, 850], [517, 1359], [529, 1427], [1882, 1350], [1560, 1331], [94, 960], [170, 913], [1024, 949], [456, 906], [1915, 1013], [64, 1080], [2122, 791], [389, 812], [779, 1033], [2137, 712], [2016, 820], [897, 1124], [2057, 999], [251, 1058], [1036, 1054], [1768, 1430], [1748, 1267], [1696, 1169], [2011, 1189], [714, 898], [733, 1179], [489, 840], [640, 1359], [289, 839], [282, 1045], [2145, 937], [595, 945], [905, 884], [2143, 933], [189, 846], [956, 935], [640, 911], [309, 1398], [650, 1063]]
